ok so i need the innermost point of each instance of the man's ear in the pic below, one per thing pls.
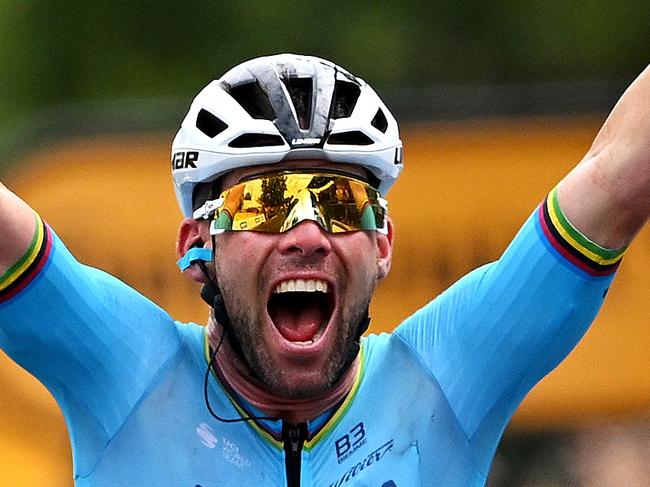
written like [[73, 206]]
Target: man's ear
[[385, 249], [191, 233]]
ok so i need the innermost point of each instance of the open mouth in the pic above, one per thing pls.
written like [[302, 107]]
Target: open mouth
[[301, 309]]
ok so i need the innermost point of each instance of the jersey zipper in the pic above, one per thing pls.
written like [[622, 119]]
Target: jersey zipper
[[294, 437]]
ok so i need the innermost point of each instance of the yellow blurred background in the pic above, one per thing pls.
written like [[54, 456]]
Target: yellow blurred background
[[466, 189]]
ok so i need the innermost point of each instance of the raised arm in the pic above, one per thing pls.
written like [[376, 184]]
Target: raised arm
[[607, 196], [499, 330], [17, 226]]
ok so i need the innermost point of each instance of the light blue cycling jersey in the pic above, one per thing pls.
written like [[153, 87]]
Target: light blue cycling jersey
[[428, 406]]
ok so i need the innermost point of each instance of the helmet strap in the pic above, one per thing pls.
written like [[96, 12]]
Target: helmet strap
[[211, 294]]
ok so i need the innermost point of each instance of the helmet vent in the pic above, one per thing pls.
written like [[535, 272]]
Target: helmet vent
[[256, 140], [380, 122], [251, 97], [354, 137], [300, 90], [209, 124], [345, 98]]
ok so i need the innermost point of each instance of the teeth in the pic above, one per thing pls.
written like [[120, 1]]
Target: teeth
[[301, 285]]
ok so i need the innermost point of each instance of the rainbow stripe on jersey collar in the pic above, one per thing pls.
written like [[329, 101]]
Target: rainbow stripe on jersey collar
[[265, 428]]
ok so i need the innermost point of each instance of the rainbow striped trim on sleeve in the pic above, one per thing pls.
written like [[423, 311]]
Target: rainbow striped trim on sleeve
[[572, 245], [19, 275]]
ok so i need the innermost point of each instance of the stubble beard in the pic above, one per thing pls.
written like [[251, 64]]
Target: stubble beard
[[246, 321]]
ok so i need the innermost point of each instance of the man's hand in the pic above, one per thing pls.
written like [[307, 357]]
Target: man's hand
[[607, 196]]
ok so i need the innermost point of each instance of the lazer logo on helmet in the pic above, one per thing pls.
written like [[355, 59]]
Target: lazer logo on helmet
[[306, 141], [183, 159]]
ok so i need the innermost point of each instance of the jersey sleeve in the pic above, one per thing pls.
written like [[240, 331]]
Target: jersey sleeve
[[495, 333], [95, 343]]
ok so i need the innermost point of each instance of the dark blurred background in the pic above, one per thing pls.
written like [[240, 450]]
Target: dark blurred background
[[463, 58], [87, 70]]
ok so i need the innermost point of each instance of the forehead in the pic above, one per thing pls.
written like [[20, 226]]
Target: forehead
[[237, 175]]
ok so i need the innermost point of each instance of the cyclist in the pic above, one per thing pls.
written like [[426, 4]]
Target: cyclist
[[281, 168]]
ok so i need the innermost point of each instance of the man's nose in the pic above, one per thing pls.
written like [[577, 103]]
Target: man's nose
[[307, 238]]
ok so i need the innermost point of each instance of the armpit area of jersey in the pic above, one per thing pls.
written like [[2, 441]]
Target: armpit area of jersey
[[571, 246], [28, 267]]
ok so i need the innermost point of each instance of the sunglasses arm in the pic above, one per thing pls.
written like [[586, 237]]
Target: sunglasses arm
[[205, 211]]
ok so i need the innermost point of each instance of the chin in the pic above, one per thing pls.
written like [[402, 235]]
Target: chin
[[305, 385]]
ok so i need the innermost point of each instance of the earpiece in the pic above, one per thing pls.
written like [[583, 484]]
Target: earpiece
[[194, 256]]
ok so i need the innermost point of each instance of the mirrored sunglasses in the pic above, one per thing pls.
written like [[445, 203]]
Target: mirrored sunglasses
[[277, 202]]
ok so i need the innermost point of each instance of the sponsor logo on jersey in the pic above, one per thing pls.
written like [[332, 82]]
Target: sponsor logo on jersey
[[374, 457], [229, 449], [206, 434], [347, 444], [232, 455]]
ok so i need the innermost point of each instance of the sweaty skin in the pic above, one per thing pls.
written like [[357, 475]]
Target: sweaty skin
[[17, 225], [347, 263], [607, 196], [249, 265]]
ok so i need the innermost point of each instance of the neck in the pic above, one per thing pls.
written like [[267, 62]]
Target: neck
[[238, 377]]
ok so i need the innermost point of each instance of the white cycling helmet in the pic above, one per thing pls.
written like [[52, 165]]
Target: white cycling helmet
[[284, 107]]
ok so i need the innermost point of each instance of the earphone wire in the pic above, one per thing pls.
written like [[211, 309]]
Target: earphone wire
[[206, 395], [224, 320]]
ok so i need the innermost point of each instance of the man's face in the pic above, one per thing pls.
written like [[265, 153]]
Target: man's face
[[296, 299]]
